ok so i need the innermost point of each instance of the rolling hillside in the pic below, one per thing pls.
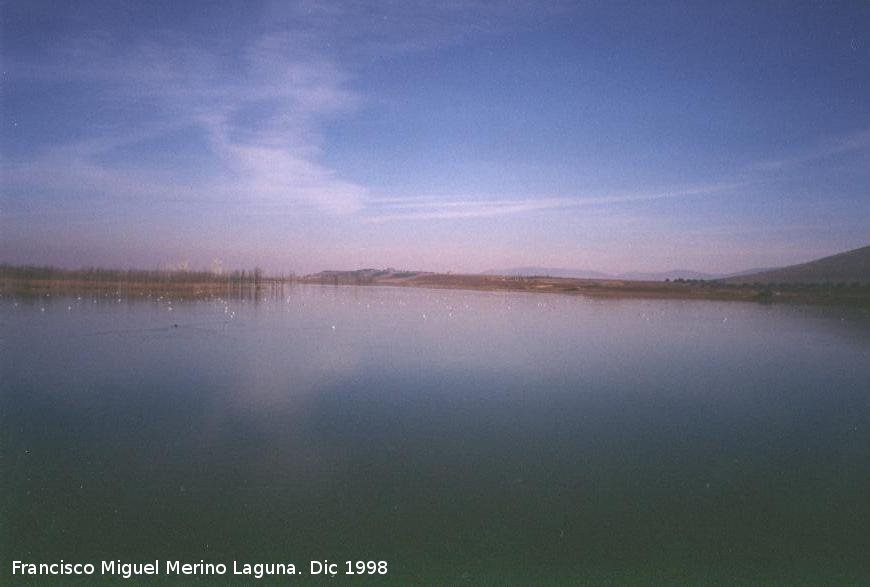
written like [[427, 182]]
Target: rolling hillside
[[590, 274], [549, 272], [849, 267]]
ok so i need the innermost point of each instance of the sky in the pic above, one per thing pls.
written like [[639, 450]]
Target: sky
[[446, 136]]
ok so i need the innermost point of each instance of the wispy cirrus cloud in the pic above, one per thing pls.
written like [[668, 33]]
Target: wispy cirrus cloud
[[261, 101], [453, 208], [825, 149], [261, 98], [261, 110]]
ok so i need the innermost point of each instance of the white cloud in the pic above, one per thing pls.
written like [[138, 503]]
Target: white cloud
[[832, 147], [262, 119], [261, 95], [446, 208]]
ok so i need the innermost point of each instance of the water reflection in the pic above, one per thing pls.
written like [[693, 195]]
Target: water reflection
[[464, 436]]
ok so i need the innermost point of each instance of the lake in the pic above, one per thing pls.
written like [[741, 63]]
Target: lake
[[463, 437]]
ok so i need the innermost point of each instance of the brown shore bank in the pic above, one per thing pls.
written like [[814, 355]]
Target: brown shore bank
[[851, 294], [32, 281], [193, 286]]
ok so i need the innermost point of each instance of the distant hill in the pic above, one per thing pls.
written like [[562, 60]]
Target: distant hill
[[849, 267], [662, 275], [590, 274], [549, 272], [748, 272], [361, 276]]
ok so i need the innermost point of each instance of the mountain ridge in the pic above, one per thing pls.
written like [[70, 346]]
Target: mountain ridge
[[848, 267], [533, 271]]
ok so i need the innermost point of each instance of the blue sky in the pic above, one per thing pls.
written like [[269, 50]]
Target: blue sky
[[458, 136]]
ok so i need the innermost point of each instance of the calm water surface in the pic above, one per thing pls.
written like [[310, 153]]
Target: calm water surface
[[463, 437]]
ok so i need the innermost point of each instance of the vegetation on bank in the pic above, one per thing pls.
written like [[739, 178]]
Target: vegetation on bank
[[253, 277], [31, 280], [785, 286], [821, 293]]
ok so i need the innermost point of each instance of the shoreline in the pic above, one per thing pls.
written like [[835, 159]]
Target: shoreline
[[611, 288], [593, 288], [182, 289]]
